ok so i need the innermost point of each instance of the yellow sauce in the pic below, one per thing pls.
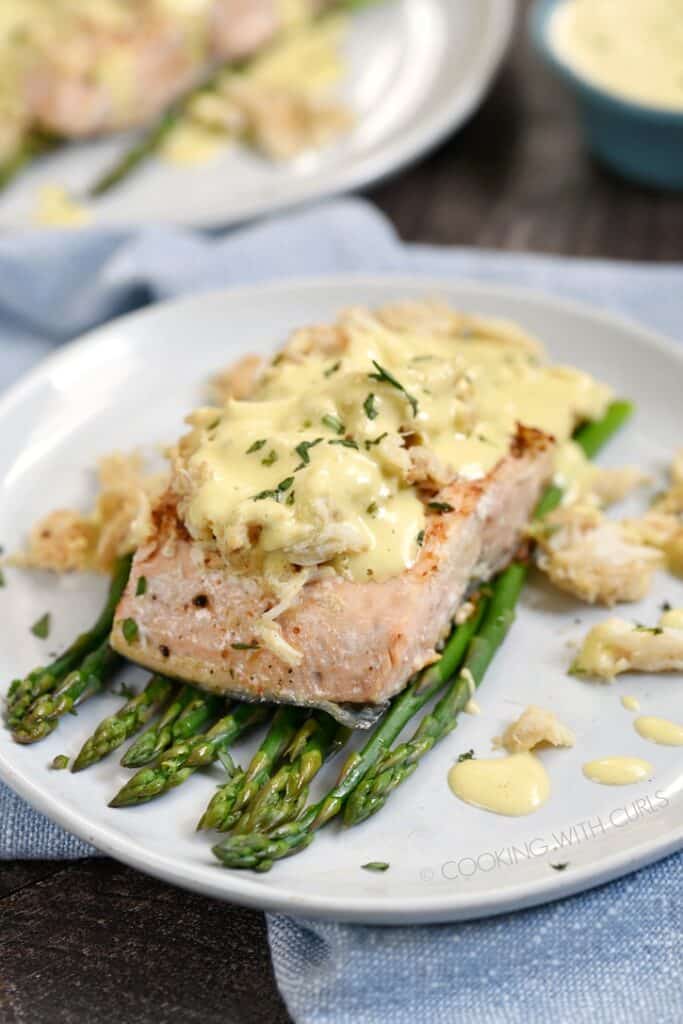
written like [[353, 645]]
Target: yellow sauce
[[190, 144], [306, 61], [57, 209], [659, 730], [633, 48], [630, 703], [309, 59], [293, 12], [350, 502], [514, 786], [618, 771], [673, 618]]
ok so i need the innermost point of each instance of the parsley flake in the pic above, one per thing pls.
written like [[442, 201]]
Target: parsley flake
[[256, 446], [3, 582], [346, 442], [41, 628], [277, 493], [334, 423], [332, 369], [384, 377], [376, 440], [440, 506], [302, 451], [141, 587], [370, 406], [270, 458], [129, 628], [467, 756], [376, 865], [372, 508], [245, 647], [420, 538]]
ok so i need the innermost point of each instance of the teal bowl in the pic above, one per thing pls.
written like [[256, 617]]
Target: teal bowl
[[639, 142]]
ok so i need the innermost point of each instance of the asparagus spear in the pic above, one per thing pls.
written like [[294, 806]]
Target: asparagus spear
[[43, 715], [230, 800], [149, 144], [152, 140], [115, 730], [399, 764], [23, 692], [183, 759], [284, 796], [160, 736], [258, 850]]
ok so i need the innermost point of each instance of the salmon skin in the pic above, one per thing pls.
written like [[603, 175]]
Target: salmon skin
[[360, 642]]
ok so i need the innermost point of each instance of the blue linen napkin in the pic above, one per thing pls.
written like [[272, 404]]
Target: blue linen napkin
[[611, 955]]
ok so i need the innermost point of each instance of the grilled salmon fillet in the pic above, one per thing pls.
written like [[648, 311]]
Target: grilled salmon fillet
[[360, 642], [104, 76]]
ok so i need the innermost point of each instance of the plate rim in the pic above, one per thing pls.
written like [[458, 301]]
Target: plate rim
[[378, 165], [240, 887]]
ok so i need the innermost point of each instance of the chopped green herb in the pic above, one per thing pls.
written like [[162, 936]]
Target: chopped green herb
[[370, 406], [213, 424], [125, 691], [41, 628], [376, 440], [334, 423], [467, 756], [270, 458], [375, 865], [385, 377], [290, 498], [420, 538], [302, 451], [655, 630], [60, 762], [245, 647], [256, 446], [346, 442], [277, 493], [372, 508], [440, 506], [129, 628], [141, 587], [3, 582], [332, 369]]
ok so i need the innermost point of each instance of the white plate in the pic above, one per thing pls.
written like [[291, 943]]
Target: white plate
[[418, 69], [132, 382]]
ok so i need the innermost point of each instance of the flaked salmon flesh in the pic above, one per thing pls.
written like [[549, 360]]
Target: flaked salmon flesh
[[360, 642]]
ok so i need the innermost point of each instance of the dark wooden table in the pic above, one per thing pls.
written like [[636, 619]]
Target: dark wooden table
[[95, 942]]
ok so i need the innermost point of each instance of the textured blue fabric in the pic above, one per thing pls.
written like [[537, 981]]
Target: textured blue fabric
[[612, 955]]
